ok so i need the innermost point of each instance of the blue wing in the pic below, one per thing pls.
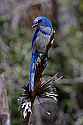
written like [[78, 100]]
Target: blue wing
[[33, 70]]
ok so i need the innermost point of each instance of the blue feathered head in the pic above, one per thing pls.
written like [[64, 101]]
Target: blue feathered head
[[41, 21]]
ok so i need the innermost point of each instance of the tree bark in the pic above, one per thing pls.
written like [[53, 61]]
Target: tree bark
[[4, 107]]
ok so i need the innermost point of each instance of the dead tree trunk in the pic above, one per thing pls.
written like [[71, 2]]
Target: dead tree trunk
[[4, 109]]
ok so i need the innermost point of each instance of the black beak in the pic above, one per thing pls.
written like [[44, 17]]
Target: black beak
[[34, 25]]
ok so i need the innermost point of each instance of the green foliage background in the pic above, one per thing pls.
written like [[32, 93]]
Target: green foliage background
[[15, 58]]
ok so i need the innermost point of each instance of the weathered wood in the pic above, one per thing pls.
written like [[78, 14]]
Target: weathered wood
[[44, 112], [4, 108]]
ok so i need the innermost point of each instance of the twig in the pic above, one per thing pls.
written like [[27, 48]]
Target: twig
[[49, 80], [55, 78]]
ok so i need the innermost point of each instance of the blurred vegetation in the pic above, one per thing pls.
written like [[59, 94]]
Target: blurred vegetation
[[81, 14], [66, 57], [15, 55]]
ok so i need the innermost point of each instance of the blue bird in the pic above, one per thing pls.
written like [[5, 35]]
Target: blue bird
[[41, 39], [41, 42]]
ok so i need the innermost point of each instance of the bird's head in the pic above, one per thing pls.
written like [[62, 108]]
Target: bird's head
[[41, 21]]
